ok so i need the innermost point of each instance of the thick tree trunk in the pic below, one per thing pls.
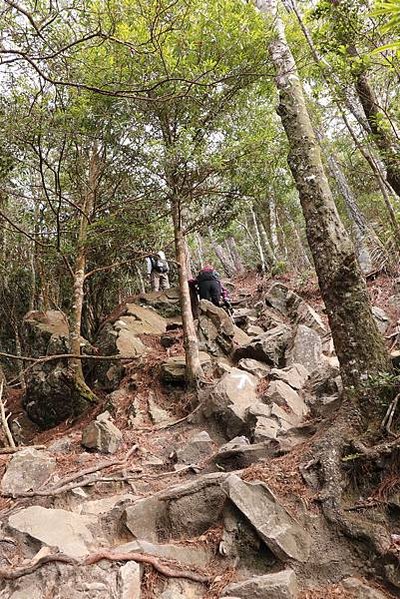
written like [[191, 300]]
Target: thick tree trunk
[[359, 346], [235, 255], [225, 260], [193, 366]]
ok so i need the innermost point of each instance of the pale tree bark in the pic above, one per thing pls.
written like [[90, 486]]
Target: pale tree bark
[[225, 260], [356, 217], [359, 346], [271, 258], [261, 254], [193, 365], [273, 224], [79, 270], [235, 255]]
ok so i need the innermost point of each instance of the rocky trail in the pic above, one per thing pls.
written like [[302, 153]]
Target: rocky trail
[[163, 493]]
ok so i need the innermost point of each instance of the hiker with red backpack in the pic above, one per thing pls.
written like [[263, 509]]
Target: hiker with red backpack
[[157, 271]]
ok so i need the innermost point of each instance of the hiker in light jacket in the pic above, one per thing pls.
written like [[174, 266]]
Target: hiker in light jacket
[[157, 271]]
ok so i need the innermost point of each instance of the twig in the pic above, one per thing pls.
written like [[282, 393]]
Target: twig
[[388, 419], [14, 573], [4, 419], [146, 559]]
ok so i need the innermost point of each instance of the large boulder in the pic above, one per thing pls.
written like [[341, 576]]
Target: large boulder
[[166, 303], [27, 470], [122, 335], [274, 525], [305, 348], [291, 305], [230, 399], [51, 395], [279, 585], [295, 375], [197, 448], [56, 528], [102, 435], [286, 397], [255, 367], [269, 347], [217, 333]]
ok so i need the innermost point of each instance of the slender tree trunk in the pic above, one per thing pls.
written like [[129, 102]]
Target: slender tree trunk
[[258, 239], [200, 249], [193, 365], [273, 224], [359, 346], [80, 265], [271, 258], [142, 286]]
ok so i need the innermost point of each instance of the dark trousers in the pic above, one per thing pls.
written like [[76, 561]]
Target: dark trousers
[[211, 291]]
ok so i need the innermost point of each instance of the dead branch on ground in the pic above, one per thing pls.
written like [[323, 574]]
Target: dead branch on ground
[[4, 418]]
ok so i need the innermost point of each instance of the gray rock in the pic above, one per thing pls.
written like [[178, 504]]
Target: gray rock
[[381, 319], [173, 370], [283, 395], [27, 470], [217, 333], [197, 448], [145, 517], [258, 369], [280, 585], [269, 347], [166, 303], [130, 577], [242, 456], [254, 330], [324, 380], [291, 305], [193, 513], [102, 435], [157, 414], [305, 349], [360, 590], [295, 375], [57, 528], [229, 400], [275, 526]]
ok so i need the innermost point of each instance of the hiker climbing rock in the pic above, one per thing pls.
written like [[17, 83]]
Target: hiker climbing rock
[[157, 271], [209, 284]]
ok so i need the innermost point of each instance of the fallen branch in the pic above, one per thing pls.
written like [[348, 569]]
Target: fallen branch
[[388, 419], [14, 573], [162, 568], [6, 450], [70, 482], [4, 418]]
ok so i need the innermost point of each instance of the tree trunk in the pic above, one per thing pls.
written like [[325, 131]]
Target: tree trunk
[[388, 148], [258, 238], [225, 260], [193, 365], [80, 265], [234, 252], [273, 224], [359, 346]]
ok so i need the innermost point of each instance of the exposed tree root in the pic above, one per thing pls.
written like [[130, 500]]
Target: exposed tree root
[[147, 559], [329, 457], [14, 573]]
